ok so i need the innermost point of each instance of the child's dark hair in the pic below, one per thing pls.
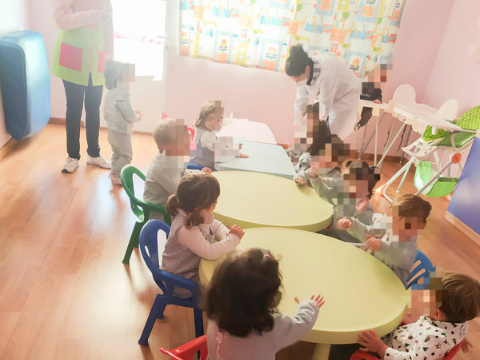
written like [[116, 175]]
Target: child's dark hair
[[409, 205], [196, 191], [111, 73], [361, 171], [244, 293], [297, 61], [460, 298]]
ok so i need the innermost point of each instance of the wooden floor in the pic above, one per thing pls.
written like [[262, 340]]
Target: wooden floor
[[65, 293]]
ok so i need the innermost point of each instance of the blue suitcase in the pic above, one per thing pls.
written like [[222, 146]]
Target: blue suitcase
[[25, 83]]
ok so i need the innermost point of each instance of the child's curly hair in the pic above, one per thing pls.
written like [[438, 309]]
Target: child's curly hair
[[207, 109], [244, 292]]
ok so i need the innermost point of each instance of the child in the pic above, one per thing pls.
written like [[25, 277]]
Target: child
[[400, 228], [119, 115], [242, 298], [210, 149], [326, 149], [370, 93], [350, 196], [194, 228], [434, 335], [168, 166]]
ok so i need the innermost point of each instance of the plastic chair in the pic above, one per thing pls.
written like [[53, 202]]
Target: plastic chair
[[166, 281], [194, 167], [186, 352], [431, 182], [421, 268], [140, 208], [362, 355]]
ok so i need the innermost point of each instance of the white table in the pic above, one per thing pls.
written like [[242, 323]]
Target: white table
[[264, 158], [248, 130]]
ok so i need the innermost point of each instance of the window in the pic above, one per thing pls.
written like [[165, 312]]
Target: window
[[139, 35]]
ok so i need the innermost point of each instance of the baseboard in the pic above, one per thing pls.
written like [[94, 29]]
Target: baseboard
[[4, 150], [463, 228], [60, 121]]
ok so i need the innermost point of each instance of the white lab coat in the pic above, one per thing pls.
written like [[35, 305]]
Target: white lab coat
[[337, 90]]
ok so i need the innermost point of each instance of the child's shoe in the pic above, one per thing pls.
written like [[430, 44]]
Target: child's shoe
[[70, 165], [99, 161], [115, 177]]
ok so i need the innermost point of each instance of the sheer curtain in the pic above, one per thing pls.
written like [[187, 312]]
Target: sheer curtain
[[259, 33]]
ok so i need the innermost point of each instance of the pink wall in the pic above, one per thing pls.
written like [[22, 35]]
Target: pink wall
[[453, 75], [268, 97]]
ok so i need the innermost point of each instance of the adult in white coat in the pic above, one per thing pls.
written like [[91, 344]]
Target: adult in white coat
[[332, 84]]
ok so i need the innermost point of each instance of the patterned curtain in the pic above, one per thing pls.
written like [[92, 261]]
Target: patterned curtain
[[259, 33]]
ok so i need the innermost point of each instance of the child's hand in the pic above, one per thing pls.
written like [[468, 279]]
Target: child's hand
[[139, 113], [300, 181], [319, 300], [466, 345], [313, 171], [376, 101], [371, 342], [236, 230], [344, 223], [373, 243], [207, 170], [243, 156]]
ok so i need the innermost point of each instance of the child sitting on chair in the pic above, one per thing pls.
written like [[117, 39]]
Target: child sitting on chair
[[194, 228], [242, 300], [316, 142], [398, 229], [210, 148], [168, 166], [349, 195], [455, 302]]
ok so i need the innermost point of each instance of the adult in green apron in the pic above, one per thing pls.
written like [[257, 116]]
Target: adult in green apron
[[84, 44]]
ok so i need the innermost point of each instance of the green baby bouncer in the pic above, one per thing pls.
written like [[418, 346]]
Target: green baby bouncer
[[429, 176]]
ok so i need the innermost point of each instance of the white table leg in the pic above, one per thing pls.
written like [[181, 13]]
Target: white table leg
[[321, 352], [391, 144]]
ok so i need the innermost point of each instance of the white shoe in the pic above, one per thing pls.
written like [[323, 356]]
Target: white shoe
[[71, 165], [115, 177], [99, 161]]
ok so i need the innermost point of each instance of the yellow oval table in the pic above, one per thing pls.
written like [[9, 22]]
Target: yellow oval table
[[360, 291], [252, 199]]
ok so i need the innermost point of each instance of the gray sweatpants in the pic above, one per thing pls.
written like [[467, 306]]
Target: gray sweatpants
[[121, 149]]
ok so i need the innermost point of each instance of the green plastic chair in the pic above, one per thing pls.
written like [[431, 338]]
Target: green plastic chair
[[443, 186], [140, 208]]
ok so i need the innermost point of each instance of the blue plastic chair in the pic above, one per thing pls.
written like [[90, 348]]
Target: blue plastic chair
[[194, 167], [166, 281], [422, 267]]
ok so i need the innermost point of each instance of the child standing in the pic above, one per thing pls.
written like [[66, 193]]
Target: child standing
[[168, 166], [119, 115], [399, 230], [349, 195], [242, 298], [210, 148], [194, 228]]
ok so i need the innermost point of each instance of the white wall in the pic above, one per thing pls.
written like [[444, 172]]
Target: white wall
[[13, 17]]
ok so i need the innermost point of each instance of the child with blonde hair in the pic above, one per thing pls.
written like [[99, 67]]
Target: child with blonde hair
[[242, 300], [194, 231], [168, 166], [210, 148]]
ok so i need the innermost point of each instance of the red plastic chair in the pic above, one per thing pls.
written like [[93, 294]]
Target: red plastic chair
[[362, 355], [186, 351]]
